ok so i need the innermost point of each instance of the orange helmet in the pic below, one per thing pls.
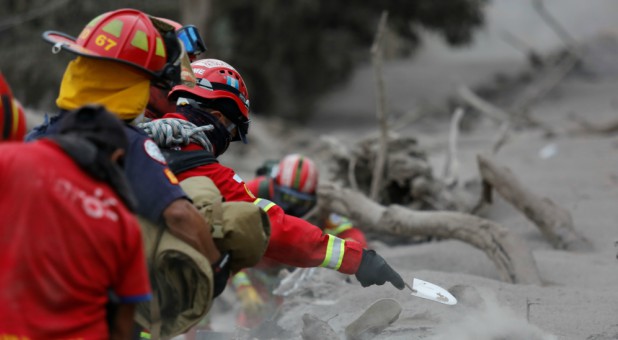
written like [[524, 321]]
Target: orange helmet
[[217, 80], [12, 117], [131, 37]]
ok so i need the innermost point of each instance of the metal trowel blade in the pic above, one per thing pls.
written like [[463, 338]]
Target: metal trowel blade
[[430, 291]]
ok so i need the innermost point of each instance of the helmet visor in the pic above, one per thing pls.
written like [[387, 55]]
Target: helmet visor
[[293, 202], [178, 69], [191, 39], [187, 77]]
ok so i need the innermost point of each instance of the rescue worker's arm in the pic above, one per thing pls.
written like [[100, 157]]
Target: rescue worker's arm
[[298, 243], [343, 228], [122, 328], [301, 246], [185, 222], [354, 234]]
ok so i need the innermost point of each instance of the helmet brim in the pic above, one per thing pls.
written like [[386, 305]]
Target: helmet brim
[[69, 43], [242, 137], [62, 41]]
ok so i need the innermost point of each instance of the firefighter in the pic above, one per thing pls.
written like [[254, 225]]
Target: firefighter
[[66, 204], [120, 54], [216, 112], [12, 117], [291, 183]]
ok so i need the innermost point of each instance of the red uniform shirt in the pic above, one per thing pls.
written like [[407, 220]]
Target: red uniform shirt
[[66, 240], [335, 224], [293, 241]]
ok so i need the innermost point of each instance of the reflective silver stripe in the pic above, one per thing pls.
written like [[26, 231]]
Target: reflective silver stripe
[[341, 228], [264, 204], [334, 253]]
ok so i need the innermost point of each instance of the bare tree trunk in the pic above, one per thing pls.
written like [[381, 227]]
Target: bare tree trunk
[[509, 253], [554, 222], [376, 54]]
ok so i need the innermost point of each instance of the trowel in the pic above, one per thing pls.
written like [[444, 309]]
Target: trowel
[[430, 291]]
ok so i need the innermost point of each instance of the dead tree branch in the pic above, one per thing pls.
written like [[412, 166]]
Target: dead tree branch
[[509, 253], [502, 137], [535, 59], [588, 128], [376, 53], [545, 85], [486, 108], [451, 166], [561, 32], [554, 222]]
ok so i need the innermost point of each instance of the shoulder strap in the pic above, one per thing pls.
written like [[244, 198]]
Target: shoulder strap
[[263, 189], [180, 161]]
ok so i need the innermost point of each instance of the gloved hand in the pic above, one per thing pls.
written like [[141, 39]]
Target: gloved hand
[[250, 300], [374, 270], [221, 272]]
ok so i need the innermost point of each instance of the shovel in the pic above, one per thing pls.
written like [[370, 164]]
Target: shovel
[[430, 291]]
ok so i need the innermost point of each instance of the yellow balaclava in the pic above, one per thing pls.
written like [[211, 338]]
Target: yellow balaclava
[[121, 89]]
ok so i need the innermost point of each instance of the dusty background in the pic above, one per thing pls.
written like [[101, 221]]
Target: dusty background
[[578, 299]]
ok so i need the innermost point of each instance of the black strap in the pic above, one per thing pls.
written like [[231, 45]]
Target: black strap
[[263, 189], [7, 107], [181, 161]]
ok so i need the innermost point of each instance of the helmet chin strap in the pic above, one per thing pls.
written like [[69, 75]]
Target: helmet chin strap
[[219, 137]]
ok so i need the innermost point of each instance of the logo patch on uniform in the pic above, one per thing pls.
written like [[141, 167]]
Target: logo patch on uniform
[[170, 175], [237, 178], [249, 192], [153, 151]]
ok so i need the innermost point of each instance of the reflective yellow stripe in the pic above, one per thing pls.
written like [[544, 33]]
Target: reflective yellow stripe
[[94, 21], [241, 279], [144, 335], [159, 48], [264, 204], [114, 28], [340, 228], [334, 253], [140, 40]]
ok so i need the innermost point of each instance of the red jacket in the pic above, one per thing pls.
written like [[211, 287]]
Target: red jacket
[[293, 241], [66, 240], [334, 224]]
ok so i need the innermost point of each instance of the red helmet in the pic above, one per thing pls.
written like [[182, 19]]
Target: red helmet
[[12, 117], [217, 80], [131, 37], [298, 173]]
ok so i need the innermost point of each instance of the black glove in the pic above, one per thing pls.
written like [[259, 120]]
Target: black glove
[[221, 272], [374, 270]]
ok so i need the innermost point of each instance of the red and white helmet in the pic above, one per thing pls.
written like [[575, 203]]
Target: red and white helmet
[[218, 80], [128, 36], [297, 172]]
